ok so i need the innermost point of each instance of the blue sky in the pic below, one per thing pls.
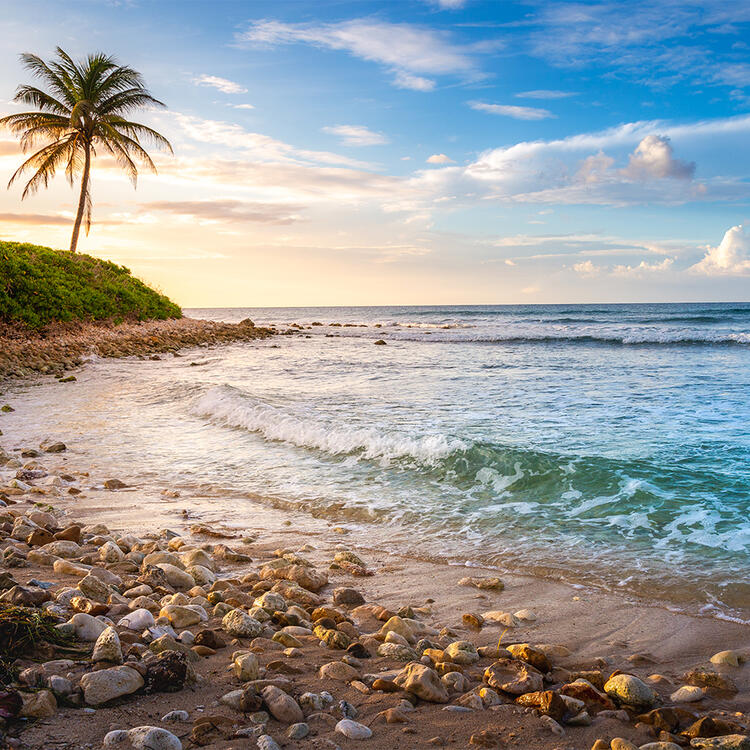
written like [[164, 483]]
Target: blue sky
[[416, 152]]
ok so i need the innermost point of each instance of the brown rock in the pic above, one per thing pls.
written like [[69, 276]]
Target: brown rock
[[513, 676]]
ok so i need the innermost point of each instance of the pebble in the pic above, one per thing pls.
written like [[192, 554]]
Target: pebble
[[687, 694], [728, 658], [298, 731], [107, 684], [266, 742], [107, 647], [630, 691], [353, 730], [143, 738], [176, 716]]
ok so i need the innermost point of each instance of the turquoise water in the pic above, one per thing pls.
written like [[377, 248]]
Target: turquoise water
[[606, 444]]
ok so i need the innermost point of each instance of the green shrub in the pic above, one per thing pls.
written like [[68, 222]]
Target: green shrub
[[39, 285]]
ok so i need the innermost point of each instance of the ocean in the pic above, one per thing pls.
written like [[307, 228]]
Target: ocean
[[605, 445]]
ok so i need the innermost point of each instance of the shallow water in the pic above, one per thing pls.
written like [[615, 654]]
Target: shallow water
[[601, 444]]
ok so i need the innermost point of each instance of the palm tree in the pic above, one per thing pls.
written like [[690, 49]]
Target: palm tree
[[85, 107]]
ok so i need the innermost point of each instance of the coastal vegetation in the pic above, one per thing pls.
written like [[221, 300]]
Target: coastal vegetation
[[84, 106], [39, 285]]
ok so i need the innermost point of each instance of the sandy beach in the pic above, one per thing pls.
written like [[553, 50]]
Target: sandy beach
[[445, 698]]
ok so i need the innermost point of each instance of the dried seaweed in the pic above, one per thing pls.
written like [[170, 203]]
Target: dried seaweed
[[22, 628]]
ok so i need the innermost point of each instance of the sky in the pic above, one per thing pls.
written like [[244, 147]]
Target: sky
[[360, 152]]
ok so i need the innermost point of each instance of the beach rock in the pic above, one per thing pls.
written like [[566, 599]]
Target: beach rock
[[246, 667], [109, 552], [347, 597], [176, 578], [687, 694], [202, 575], [107, 647], [139, 619], [266, 742], [504, 618], [93, 587], [618, 743], [68, 568], [179, 616], [353, 730], [237, 623], [337, 670], [298, 731], [39, 705], [461, 652], [583, 691], [546, 702], [660, 746], [86, 627], [514, 677], [727, 658], [708, 678], [397, 652], [107, 684], [282, 706], [62, 548], [491, 583], [728, 742], [142, 738], [198, 557], [176, 716], [630, 691], [534, 656], [422, 681]]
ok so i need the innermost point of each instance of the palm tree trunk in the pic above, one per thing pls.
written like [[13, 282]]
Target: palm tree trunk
[[82, 198]]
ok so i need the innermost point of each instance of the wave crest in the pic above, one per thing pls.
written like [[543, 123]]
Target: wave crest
[[231, 407]]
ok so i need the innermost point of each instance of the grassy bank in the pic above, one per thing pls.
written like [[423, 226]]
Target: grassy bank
[[39, 286]]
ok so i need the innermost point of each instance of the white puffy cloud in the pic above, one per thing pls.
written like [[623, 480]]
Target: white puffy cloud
[[356, 135], [730, 257], [594, 168], [439, 159], [587, 269], [407, 51], [654, 158], [512, 110], [222, 84], [643, 268]]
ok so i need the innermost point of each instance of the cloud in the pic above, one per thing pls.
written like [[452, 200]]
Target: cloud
[[257, 145], [10, 148], [545, 94], [587, 269], [222, 84], [654, 158], [408, 52], [510, 110], [448, 4], [36, 219], [658, 44], [730, 257], [439, 159], [356, 135], [229, 210], [596, 168], [242, 106], [643, 268], [403, 80]]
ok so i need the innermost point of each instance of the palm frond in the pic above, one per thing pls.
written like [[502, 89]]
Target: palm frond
[[45, 161], [41, 70], [38, 98], [137, 131], [127, 100]]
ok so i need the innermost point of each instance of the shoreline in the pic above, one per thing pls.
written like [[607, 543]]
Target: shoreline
[[597, 632], [61, 347]]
